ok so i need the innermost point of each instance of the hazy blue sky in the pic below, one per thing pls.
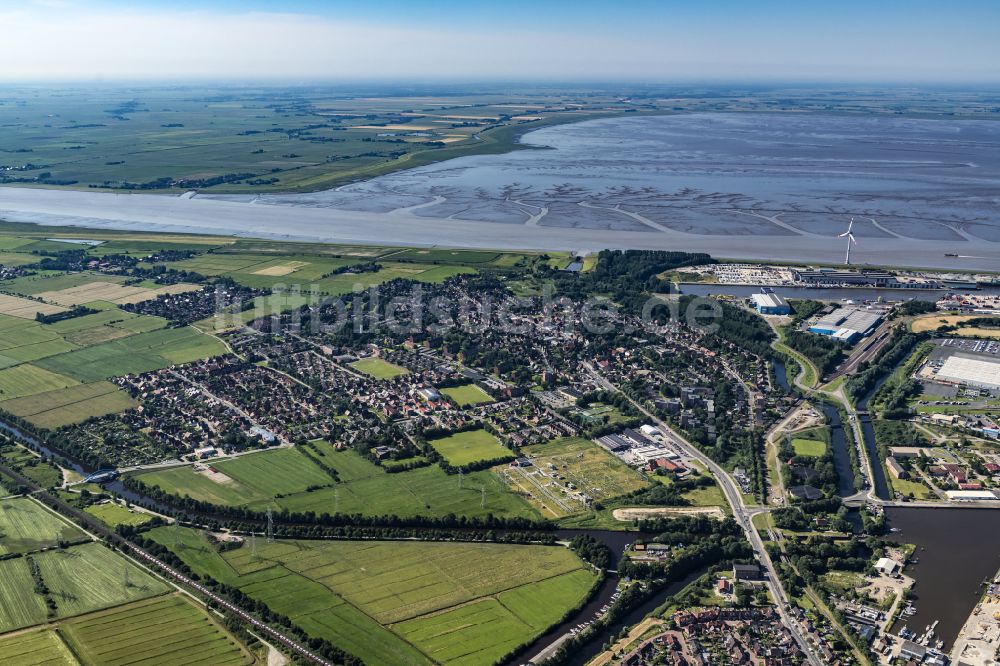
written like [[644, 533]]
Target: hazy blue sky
[[301, 40]]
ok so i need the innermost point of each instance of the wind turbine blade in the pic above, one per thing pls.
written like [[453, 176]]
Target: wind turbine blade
[[853, 240]]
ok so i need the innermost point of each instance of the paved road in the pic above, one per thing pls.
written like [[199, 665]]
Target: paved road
[[743, 516]]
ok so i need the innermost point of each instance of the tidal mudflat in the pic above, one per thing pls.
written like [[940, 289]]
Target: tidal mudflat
[[756, 186]]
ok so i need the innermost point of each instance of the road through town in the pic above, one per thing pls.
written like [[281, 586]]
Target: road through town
[[742, 515]]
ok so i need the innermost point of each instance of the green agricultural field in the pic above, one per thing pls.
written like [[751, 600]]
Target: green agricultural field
[[364, 488], [114, 515], [21, 606], [53, 409], [164, 630], [26, 526], [132, 355], [379, 368], [36, 284], [90, 576], [579, 461], [470, 446], [443, 256], [492, 627], [35, 648], [31, 379], [466, 395], [367, 597]]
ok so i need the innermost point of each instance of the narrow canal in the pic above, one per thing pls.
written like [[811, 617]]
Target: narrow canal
[[846, 481]]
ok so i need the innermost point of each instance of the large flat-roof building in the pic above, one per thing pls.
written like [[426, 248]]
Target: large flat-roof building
[[977, 371], [847, 324], [769, 303]]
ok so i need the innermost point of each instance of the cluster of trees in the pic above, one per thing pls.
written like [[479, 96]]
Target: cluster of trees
[[739, 327], [72, 313], [592, 550], [870, 372], [825, 353]]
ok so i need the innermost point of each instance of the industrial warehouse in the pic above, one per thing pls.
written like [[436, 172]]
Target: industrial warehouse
[[848, 324]]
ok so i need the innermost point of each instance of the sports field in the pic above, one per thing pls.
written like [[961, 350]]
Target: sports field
[[363, 488], [379, 368], [26, 526], [467, 395], [811, 442], [591, 469], [469, 446], [808, 447], [163, 630], [364, 596]]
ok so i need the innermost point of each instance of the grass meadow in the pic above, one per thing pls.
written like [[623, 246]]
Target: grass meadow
[[27, 526], [163, 630], [364, 488], [469, 446], [35, 648], [394, 602]]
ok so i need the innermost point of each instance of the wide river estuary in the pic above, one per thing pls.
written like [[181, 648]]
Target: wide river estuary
[[757, 186]]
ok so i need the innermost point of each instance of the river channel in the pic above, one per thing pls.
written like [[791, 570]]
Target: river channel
[[957, 549]]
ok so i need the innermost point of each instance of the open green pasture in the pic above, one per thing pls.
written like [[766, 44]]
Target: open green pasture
[[73, 404], [135, 354], [26, 526], [35, 648], [402, 601], [163, 630], [364, 488], [469, 446]]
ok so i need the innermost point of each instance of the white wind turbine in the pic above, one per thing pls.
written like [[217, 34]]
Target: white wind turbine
[[850, 239]]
